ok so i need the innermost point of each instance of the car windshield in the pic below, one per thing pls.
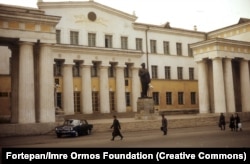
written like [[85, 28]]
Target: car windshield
[[71, 122]]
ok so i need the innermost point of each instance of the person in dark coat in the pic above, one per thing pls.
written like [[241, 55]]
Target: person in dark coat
[[164, 124], [116, 129], [232, 123], [222, 122], [237, 122]]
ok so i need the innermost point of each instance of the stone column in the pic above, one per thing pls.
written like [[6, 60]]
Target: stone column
[[86, 90], [245, 85], [219, 88], [120, 89], [104, 90], [68, 95], [203, 87], [26, 89], [46, 110], [136, 89], [14, 83], [229, 86]]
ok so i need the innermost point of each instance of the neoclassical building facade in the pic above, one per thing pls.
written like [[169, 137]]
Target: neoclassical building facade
[[84, 57]]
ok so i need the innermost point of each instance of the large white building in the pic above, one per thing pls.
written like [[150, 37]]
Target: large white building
[[83, 57]]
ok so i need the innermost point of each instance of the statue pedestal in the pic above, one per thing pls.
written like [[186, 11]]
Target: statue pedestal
[[145, 109]]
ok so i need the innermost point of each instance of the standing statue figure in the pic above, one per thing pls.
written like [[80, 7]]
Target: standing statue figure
[[145, 80]]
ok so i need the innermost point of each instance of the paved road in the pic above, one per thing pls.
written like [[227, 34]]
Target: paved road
[[198, 137]]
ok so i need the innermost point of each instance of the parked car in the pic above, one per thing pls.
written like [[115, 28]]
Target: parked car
[[74, 127]]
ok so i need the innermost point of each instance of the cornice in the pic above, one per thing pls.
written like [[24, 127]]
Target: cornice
[[96, 50], [168, 30]]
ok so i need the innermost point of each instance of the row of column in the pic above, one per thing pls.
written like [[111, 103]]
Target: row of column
[[86, 98], [27, 109], [223, 87], [24, 108]]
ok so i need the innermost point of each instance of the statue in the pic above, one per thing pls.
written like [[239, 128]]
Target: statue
[[145, 80]]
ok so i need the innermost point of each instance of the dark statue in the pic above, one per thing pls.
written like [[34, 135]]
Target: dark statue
[[145, 80]]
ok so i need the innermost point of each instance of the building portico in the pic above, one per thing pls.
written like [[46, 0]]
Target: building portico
[[223, 73]]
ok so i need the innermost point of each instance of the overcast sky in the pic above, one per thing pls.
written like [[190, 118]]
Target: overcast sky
[[207, 15]]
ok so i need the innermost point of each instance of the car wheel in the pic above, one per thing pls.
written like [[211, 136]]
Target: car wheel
[[76, 134], [88, 132], [59, 135]]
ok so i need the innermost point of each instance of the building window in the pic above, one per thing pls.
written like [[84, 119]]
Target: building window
[[92, 39], [166, 47], [111, 70], [178, 49], [124, 42], [167, 72], [138, 44], [74, 40], [180, 98], [156, 98], [58, 67], [191, 73], [169, 98], [154, 72], [95, 101], [193, 97], [179, 73], [76, 69], [77, 102], [59, 100], [128, 103], [126, 82], [58, 36], [94, 70], [126, 71], [112, 101], [108, 41], [153, 46], [190, 52]]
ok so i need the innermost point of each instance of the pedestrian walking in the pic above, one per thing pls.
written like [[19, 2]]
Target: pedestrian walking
[[222, 122], [164, 124], [238, 124], [116, 128], [232, 123]]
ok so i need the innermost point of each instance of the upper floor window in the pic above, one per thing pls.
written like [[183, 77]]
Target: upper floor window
[[191, 73], [166, 47], [179, 49], [153, 46], [74, 37], [108, 41], [167, 72], [190, 52], [154, 72], [180, 73], [124, 42], [58, 36], [138, 44], [91, 39]]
